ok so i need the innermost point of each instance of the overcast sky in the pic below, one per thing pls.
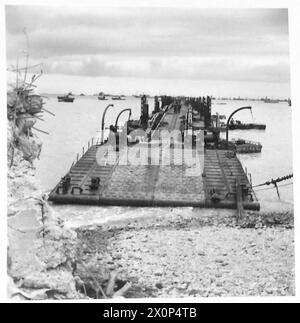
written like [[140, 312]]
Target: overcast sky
[[223, 51]]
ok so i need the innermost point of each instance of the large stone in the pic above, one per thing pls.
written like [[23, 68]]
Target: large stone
[[23, 242], [41, 251], [57, 247], [30, 146], [60, 282]]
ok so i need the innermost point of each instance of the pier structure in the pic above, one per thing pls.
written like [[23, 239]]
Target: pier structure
[[162, 163]]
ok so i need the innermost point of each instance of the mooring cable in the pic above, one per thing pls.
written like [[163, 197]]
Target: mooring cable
[[275, 181], [271, 188]]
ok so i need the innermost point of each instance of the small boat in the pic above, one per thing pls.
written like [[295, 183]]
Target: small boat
[[247, 147], [66, 98], [101, 96], [118, 97]]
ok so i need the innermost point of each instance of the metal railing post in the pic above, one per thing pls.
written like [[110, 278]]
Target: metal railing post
[[102, 123]]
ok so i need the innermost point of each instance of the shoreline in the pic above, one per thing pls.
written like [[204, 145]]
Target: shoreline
[[76, 216]]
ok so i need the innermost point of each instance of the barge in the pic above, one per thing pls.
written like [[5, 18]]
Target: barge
[[219, 122], [243, 146], [238, 125]]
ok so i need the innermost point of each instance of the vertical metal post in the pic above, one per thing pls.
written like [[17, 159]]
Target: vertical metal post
[[277, 190], [102, 123], [116, 123], [239, 200]]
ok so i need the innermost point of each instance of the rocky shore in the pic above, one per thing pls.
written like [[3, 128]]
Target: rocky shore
[[199, 254]]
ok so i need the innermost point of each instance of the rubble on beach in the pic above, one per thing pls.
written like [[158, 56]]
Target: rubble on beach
[[202, 254]]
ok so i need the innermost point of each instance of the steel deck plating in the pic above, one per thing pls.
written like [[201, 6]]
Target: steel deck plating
[[168, 182]]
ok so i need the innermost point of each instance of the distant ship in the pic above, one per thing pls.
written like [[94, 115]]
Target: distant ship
[[118, 97], [101, 96], [66, 98], [138, 96], [267, 100]]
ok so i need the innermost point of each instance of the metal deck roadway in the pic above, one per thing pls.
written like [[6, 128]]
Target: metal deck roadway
[[169, 182]]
